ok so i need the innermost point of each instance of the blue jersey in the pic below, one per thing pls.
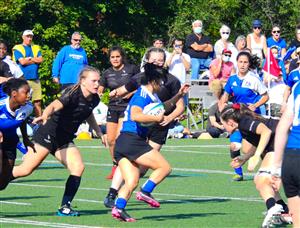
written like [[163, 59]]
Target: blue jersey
[[294, 106], [30, 71], [141, 98], [11, 120], [279, 44], [293, 77], [246, 90], [68, 64]]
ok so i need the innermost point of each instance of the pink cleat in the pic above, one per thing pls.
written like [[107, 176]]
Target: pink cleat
[[147, 198], [121, 215]]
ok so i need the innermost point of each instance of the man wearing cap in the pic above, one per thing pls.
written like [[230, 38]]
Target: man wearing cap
[[199, 48], [221, 68], [70, 60], [256, 41], [28, 56]]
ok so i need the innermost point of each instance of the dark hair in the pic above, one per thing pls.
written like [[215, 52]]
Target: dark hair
[[4, 43], [154, 73], [13, 84], [154, 49], [237, 111], [158, 39], [254, 60], [177, 39], [120, 50]]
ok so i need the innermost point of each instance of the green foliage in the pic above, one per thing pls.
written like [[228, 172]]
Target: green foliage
[[132, 24]]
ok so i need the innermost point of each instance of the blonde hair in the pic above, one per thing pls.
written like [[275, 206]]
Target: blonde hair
[[83, 75]]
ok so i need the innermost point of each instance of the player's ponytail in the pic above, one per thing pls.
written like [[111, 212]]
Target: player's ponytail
[[13, 84], [154, 73]]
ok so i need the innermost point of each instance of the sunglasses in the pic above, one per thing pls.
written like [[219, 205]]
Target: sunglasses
[[177, 46], [227, 55], [77, 40], [276, 31], [257, 27], [225, 32]]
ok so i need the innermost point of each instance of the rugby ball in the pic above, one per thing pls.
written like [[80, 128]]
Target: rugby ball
[[152, 109]]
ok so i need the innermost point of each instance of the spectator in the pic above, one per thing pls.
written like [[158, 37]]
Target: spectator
[[157, 43], [295, 61], [240, 43], [29, 57], [224, 43], [13, 67], [198, 48], [296, 41], [70, 60], [214, 126], [178, 62], [256, 41], [221, 68], [275, 40]]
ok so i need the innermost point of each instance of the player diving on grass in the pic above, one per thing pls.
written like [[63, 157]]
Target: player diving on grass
[[258, 144], [14, 109], [132, 149], [60, 120]]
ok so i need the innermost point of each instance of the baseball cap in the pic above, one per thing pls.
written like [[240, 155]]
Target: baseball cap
[[225, 50], [256, 23], [27, 32]]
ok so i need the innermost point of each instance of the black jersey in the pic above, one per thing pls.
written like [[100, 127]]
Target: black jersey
[[76, 109], [113, 79], [5, 70], [248, 126], [168, 90]]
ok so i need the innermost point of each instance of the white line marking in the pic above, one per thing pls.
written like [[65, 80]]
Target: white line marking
[[251, 199], [169, 146], [195, 152], [47, 224], [15, 203]]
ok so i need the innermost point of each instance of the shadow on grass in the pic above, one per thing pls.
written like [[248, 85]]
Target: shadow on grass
[[180, 216], [22, 197]]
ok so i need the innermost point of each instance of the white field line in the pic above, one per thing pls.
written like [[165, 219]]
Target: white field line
[[211, 171], [38, 223], [248, 199], [15, 203]]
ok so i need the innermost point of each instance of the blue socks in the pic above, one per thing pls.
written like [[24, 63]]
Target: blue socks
[[148, 186], [121, 203], [239, 171]]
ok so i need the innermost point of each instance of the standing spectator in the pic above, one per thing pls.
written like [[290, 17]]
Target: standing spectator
[[221, 68], [224, 43], [13, 67], [256, 41], [178, 62], [275, 40], [29, 57], [199, 48], [295, 61], [70, 60], [296, 41]]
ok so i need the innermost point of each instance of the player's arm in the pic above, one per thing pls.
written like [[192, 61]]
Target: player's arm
[[170, 104], [137, 115], [55, 106], [26, 140], [93, 124]]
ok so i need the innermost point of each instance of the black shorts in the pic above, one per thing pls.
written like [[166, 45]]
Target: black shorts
[[291, 172], [130, 146], [158, 134], [53, 142], [114, 116], [9, 151]]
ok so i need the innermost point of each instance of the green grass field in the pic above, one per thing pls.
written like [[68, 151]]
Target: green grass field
[[198, 193]]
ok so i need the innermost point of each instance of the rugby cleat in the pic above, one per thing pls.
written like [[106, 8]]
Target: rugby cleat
[[147, 198], [272, 216], [66, 210], [237, 177], [109, 201], [121, 215]]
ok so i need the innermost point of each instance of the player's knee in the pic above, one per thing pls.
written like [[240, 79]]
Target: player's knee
[[261, 181], [111, 142]]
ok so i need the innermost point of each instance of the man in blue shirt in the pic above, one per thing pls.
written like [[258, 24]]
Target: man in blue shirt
[[69, 62], [28, 56]]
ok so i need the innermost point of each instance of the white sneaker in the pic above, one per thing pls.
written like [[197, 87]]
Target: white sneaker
[[272, 212]]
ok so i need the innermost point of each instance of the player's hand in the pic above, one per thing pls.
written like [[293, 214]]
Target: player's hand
[[185, 88], [104, 140], [166, 121], [237, 162], [253, 162], [56, 80], [276, 182], [252, 107], [40, 120], [160, 117], [28, 143], [113, 93]]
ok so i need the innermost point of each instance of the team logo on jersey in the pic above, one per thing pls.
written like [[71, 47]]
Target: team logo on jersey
[[3, 116], [234, 84], [48, 139]]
